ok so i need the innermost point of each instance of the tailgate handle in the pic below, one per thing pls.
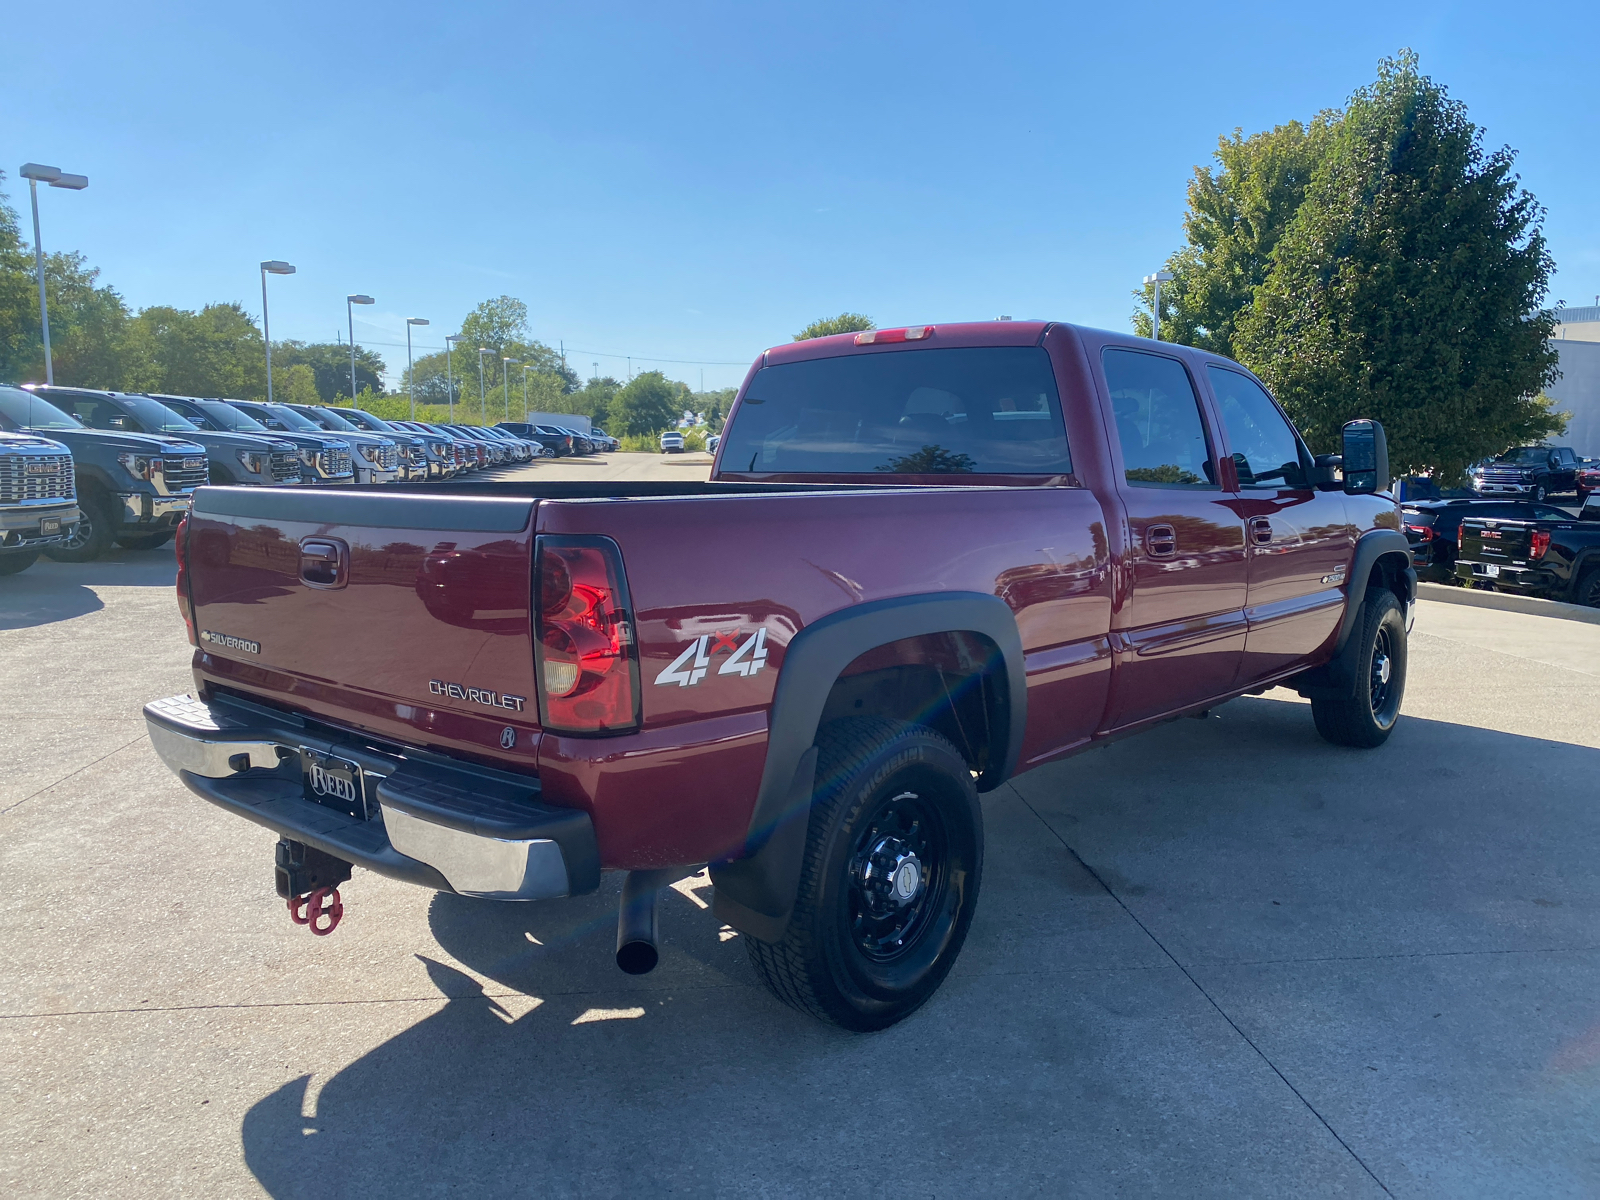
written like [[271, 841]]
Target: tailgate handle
[[324, 562]]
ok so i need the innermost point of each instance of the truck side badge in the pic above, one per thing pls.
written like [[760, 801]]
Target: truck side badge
[[508, 738], [690, 667]]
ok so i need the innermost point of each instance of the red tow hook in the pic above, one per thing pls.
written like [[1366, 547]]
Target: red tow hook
[[324, 903]]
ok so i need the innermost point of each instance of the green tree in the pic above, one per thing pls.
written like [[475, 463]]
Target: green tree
[[649, 403], [499, 326], [329, 363], [19, 302], [1408, 286], [1236, 214], [217, 351], [846, 322]]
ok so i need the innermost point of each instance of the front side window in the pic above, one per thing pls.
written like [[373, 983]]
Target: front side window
[[960, 411], [1158, 421], [1266, 452], [21, 409]]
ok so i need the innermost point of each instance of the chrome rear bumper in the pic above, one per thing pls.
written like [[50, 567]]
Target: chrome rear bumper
[[445, 825]]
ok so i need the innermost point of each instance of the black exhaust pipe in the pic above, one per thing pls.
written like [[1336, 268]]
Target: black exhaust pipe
[[637, 931]]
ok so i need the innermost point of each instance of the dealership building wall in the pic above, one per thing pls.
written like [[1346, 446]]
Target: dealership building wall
[[1577, 390]]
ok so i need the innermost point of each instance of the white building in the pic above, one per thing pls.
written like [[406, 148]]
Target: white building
[[1577, 390]]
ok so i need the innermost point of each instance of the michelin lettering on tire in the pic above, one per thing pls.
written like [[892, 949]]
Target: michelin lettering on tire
[[690, 667]]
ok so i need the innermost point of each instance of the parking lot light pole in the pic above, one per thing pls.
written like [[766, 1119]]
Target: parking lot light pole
[[483, 390], [1158, 279], [55, 177], [350, 316], [450, 340], [505, 383], [271, 267], [524, 391], [411, 382]]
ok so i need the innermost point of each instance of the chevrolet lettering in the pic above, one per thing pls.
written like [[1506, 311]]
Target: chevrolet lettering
[[484, 696]]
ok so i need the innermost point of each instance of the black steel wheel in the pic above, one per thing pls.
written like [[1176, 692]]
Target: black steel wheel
[[889, 882], [90, 538], [1365, 714]]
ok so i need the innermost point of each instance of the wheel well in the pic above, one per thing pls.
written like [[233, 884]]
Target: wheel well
[[1389, 573], [954, 683]]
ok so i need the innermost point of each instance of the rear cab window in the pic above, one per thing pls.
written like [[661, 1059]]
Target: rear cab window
[[1159, 427], [986, 410]]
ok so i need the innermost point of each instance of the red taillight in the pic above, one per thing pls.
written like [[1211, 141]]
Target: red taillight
[[878, 337], [180, 547], [588, 671], [1425, 532], [1538, 544]]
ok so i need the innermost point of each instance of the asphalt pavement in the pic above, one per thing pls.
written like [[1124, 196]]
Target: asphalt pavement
[[1220, 959]]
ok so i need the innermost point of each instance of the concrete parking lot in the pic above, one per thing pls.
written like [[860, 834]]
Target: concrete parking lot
[[1223, 959]]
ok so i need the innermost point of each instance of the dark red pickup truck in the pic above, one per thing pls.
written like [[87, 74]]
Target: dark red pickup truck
[[928, 559]]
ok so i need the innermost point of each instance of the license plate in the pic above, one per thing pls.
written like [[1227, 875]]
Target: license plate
[[1492, 570], [49, 525], [333, 783]]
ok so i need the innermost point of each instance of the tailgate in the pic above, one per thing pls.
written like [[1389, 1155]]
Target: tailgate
[[404, 614], [1495, 541]]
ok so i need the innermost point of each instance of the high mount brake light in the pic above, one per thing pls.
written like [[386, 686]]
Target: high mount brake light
[[1538, 544], [180, 547], [878, 337], [584, 646]]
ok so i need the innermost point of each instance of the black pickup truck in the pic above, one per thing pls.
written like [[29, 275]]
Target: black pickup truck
[[1558, 560], [132, 488], [1532, 472]]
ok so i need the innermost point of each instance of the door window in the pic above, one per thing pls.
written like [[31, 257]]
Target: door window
[[1158, 421], [1266, 451]]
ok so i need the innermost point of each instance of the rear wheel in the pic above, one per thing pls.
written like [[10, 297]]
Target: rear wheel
[[145, 541], [1587, 590], [1365, 716], [890, 878], [92, 536], [10, 564]]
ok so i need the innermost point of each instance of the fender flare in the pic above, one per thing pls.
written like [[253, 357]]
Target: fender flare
[[1372, 546], [755, 893]]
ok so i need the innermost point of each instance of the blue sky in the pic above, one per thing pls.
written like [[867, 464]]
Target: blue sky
[[697, 181]]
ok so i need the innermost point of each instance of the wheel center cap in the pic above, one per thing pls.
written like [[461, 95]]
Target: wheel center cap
[[906, 880], [1385, 668]]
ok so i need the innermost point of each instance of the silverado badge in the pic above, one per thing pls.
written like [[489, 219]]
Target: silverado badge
[[231, 642]]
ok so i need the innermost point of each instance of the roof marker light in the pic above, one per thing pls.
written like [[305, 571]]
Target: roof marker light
[[878, 337]]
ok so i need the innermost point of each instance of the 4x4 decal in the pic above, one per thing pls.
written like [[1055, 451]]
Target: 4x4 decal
[[690, 667]]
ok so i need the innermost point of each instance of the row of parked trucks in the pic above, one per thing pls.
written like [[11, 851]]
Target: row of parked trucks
[[81, 469]]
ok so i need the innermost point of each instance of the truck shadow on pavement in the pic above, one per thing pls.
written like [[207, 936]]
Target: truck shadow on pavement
[[1068, 1046], [50, 591]]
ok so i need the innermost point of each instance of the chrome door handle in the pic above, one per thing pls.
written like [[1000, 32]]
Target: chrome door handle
[[1261, 530], [1160, 541]]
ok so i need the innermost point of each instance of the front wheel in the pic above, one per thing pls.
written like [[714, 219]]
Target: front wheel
[[91, 537], [889, 882], [1365, 715], [1538, 493]]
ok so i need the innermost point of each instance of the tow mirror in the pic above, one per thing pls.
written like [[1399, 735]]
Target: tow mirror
[[1366, 458]]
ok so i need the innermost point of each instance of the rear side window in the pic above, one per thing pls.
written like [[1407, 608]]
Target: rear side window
[[1266, 451], [1158, 421], [978, 410]]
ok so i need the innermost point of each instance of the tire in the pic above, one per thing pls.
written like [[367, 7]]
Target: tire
[[12, 564], [90, 539], [145, 541], [1538, 493], [894, 808], [1366, 716], [1587, 590]]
